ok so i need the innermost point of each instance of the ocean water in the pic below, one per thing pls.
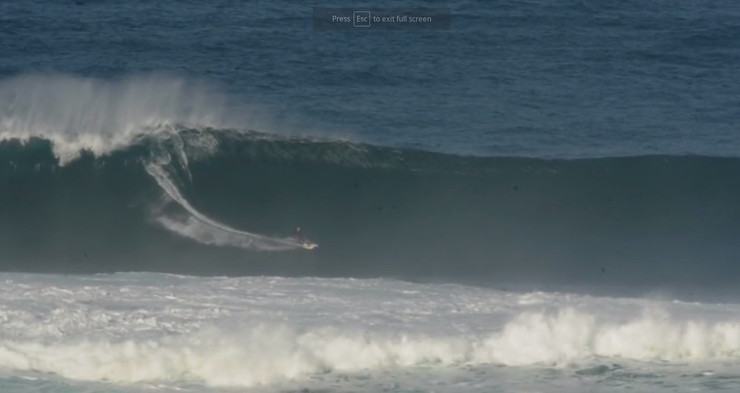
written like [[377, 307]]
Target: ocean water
[[542, 198]]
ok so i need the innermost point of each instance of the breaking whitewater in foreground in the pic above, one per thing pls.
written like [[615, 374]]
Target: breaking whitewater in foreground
[[154, 332]]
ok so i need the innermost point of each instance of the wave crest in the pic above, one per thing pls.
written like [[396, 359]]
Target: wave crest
[[79, 114]]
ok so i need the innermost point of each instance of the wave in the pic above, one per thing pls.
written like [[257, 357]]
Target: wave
[[265, 354], [375, 210], [164, 182]]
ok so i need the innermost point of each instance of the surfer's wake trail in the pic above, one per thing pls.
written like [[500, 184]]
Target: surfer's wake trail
[[204, 230]]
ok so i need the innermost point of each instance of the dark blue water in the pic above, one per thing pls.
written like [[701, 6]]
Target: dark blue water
[[526, 78]]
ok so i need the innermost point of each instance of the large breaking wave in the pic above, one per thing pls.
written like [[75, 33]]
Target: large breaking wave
[[184, 189]]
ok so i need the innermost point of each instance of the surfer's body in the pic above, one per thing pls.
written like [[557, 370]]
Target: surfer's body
[[298, 234], [305, 243]]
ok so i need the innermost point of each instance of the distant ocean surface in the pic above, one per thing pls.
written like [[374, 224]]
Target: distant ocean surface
[[534, 78], [541, 198]]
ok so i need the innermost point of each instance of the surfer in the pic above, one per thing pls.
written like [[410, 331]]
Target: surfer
[[300, 237], [298, 234]]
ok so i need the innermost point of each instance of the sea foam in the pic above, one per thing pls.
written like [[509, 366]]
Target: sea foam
[[265, 331]]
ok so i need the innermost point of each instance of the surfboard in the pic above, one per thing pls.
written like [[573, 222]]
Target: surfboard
[[309, 245]]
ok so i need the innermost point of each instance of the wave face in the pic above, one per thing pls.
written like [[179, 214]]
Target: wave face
[[154, 173], [375, 211]]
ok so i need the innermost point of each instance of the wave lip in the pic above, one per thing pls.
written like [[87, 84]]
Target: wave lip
[[85, 114]]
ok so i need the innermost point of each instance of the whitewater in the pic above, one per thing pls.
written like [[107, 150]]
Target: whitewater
[[131, 332]]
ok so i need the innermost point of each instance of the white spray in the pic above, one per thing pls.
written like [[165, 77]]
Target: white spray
[[203, 229]]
